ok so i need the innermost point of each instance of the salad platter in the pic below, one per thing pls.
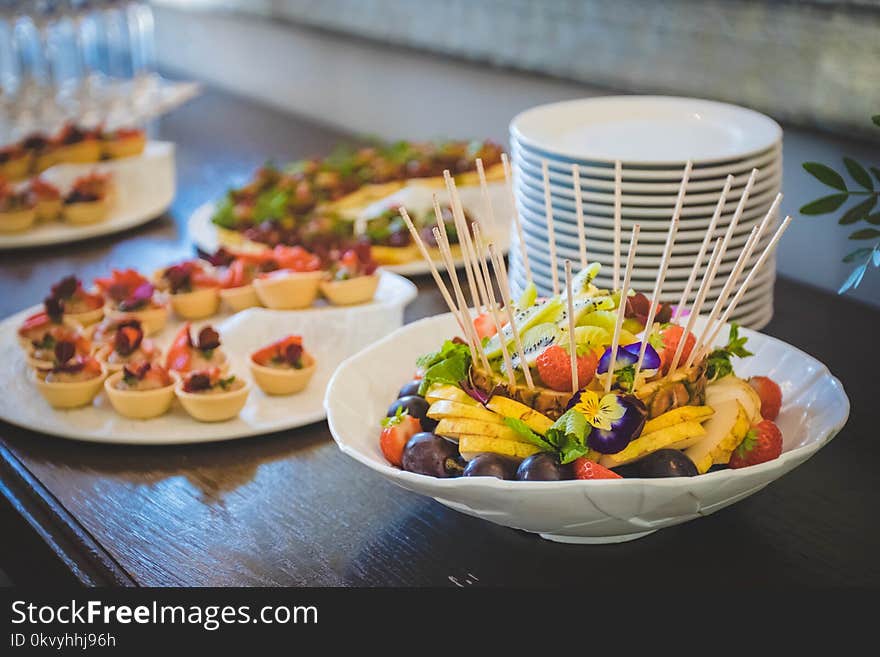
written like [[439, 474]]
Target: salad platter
[[59, 201], [596, 413], [176, 359], [357, 195]]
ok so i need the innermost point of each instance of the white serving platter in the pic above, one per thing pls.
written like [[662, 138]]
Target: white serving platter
[[145, 187], [328, 333]]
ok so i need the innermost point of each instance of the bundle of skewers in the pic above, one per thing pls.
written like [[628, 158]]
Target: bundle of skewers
[[587, 383]]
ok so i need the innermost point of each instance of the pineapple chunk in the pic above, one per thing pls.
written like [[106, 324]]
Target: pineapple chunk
[[455, 427], [724, 431], [440, 391], [444, 408], [470, 446], [677, 436], [676, 415], [507, 407]]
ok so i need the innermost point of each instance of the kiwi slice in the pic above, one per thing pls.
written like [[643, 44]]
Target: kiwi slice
[[528, 297], [534, 341], [584, 306], [546, 311], [582, 282]]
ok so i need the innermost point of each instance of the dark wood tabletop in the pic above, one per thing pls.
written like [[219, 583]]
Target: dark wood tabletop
[[291, 509]]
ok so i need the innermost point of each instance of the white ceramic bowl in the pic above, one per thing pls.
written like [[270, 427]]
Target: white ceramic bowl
[[603, 511]]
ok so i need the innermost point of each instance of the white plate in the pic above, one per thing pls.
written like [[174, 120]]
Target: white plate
[[815, 408], [145, 187], [654, 179], [204, 234], [655, 130], [562, 189], [327, 334]]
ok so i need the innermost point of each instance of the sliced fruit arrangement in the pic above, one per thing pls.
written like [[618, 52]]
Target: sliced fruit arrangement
[[517, 412]]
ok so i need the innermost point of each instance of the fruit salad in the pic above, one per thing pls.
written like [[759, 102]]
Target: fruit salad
[[458, 417]]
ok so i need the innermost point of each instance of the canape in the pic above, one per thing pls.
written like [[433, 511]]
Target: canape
[[123, 142], [193, 288], [141, 390], [187, 355], [237, 289], [210, 396], [352, 279], [72, 381], [17, 209], [76, 145], [15, 162], [41, 353], [47, 199], [128, 346], [128, 295], [41, 151], [35, 327], [295, 284], [283, 367], [89, 200], [78, 305]]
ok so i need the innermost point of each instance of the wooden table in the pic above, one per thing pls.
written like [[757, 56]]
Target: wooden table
[[290, 509]]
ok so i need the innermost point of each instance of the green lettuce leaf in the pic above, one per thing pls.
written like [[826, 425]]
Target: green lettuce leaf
[[450, 364]]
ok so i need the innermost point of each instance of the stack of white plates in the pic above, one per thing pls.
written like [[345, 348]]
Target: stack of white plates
[[653, 137]]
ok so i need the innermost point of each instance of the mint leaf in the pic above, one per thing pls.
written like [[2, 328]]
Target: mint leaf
[[718, 362], [525, 431], [569, 435]]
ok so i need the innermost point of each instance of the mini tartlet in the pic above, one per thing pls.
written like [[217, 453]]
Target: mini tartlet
[[352, 278], [88, 200], [47, 199], [74, 144], [34, 328], [15, 162], [187, 355], [72, 381], [123, 142], [283, 367], [193, 288], [141, 390], [294, 284], [237, 289], [128, 346], [78, 304], [128, 295], [210, 396], [17, 209], [41, 354], [42, 154]]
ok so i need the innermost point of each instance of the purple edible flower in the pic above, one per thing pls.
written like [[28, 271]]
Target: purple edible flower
[[628, 355]]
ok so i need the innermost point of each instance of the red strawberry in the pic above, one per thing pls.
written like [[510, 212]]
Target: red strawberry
[[762, 443], [554, 368], [396, 431], [485, 325], [671, 338], [584, 468], [771, 396]]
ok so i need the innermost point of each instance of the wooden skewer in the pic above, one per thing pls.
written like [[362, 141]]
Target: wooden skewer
[[551, 230], [711, 268], [621, 306], [737, 214], [462, 304], [738, 268], [746, 283], [572, 342], [523, 252], [438, 279], [484, 192], [664, 265], [464, 240], [504, 288], [698, 262], [618, 210], [579, 209], [493, 306]]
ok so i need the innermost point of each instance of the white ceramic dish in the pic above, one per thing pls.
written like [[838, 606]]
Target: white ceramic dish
[[326, 332], [603, 511], [144, 189], [646, 129]]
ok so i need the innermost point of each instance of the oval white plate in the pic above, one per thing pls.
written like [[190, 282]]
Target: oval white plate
[[145, 187], [602, 511], [653, 130], [327, 334]]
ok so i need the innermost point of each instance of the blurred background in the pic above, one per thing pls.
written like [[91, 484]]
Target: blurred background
[[419, 69]]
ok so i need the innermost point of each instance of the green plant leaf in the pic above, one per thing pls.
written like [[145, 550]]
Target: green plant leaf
[[858, 254], [825, 204], [876, 119], [858, 211], [865, 234], [858, 173], [854, 279], [825, 174], [873, 218]]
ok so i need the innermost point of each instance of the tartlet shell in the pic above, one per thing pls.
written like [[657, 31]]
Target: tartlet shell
[[240, 298], [198, 304], [17, 220], [352, 291], [278, 381], [70, 395], [139, 404], [290, 291], [90, 212], [152, 320], [215, 407]]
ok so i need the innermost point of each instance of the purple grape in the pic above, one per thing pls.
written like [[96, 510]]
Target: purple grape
[[491, 465], [666, 463], [411, 388], [428, 454], [543, 466], [417, 407]]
